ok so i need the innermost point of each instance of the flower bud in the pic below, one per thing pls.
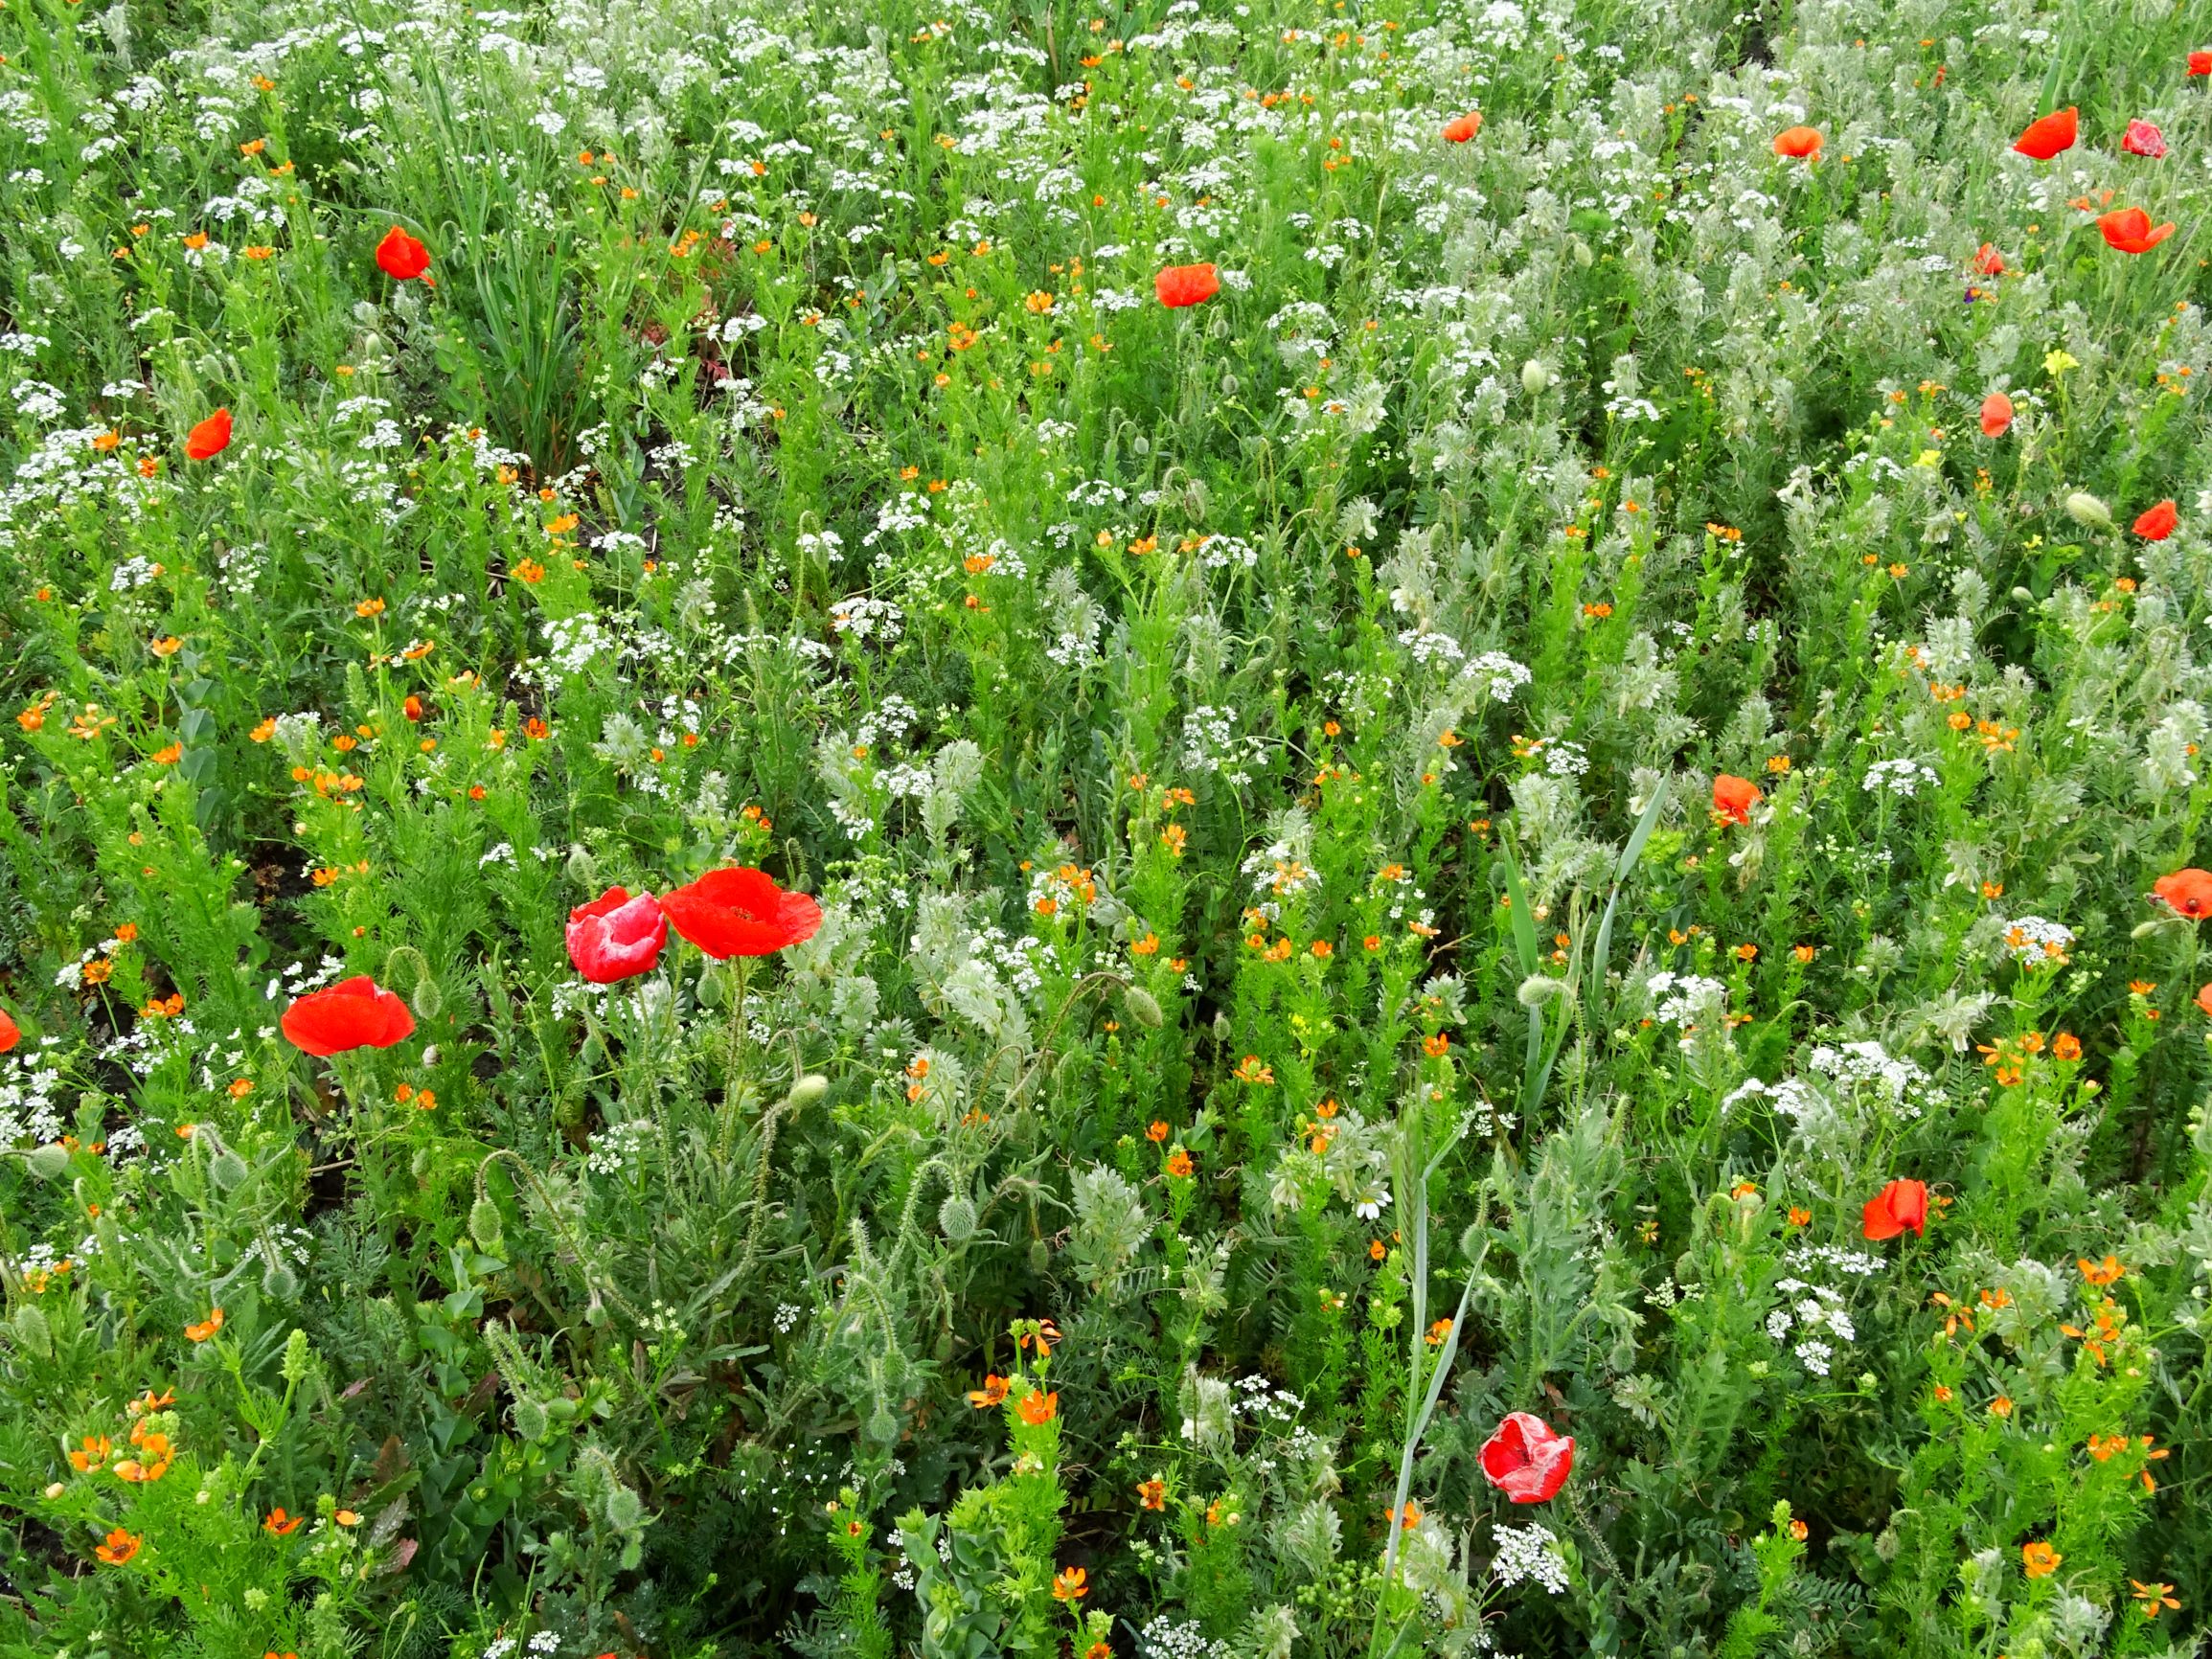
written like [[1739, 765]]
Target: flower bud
[[530, 1418], [1144, 1007], [32, 1332], [956, 1217], [299, 1357], [883, 1426], [48, 1161], [2086, 509], [1535, 375], [1539, 988], [227, 1170], [625, 1510], [279, 1283], [484, 1226], [808, 1090]]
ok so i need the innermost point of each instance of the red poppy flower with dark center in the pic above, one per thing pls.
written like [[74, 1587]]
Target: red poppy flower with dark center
[[1900, 1204], [2185, 893], [741, 912], [616, 937], [1734, 797], [401, 257], [1464, 128], [2158, 523], [210, 438], [1798, 143], [1526, 1461], [2200, 64], [1179, 286], [355, 1014], [2050, 135], [11, 1033], [2131, 231], [1997, 415], [2144, 139]]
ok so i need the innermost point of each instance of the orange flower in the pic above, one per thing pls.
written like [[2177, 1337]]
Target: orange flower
[[1181, 285], [1038, 1407], [2039, 1560], [1460, 128], [1068, 1585], [991, 1393], [207, 1327], [281, 1525], [1437, 1046], [1179, 1164], [1798, 143], [1734, 797], [2049, 135], [2001, 1406], [1997, 415], [2066, 1046], [2131, 231], [1157, 1131], [1152, 1494], [2157, 523], [2204, 998], [210, 438], [94, 1451], [2109, 1271], [118, 1548]]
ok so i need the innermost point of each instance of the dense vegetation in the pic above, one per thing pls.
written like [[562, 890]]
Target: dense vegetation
[[1407, 787]]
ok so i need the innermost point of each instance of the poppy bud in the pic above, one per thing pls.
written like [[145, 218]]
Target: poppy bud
[[483, 1225], [1471, 1242], [2084, 509], [956, 1217], [530, 1418], [412, 708], [1221, 1026], [227, 1170], [1230, 384], [32, 1332], [422, 1162], [1144, 1006], [807, 1091], [582, 867], [1535, 375], [280, 1283], [625, 1510], [2023, 596], [1537, 989], [1040, 1256], [48, 1161], [428, 1000], [883, 1426]]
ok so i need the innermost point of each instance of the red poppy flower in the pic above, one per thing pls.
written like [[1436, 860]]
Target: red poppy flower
[[616, 937], [2144, 139], [2204, 998], [1734, 797], [1798, 143], [2131, 231], [1900, 1204], [1997, 415], [1988, 261], [2158, 522], [741, 912], [2185, 893], [2049, 135], [1526, 1461], [355, 1014], [1179, 286], [2200, 64], [210, 438], [11, 1033], [401, 257], [1463, 128]]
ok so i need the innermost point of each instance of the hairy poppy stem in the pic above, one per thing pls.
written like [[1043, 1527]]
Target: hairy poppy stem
[[732, 1088]]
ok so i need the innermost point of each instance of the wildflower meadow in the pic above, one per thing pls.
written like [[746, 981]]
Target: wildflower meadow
[[1237, 830]]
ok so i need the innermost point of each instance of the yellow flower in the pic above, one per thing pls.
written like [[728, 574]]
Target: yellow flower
[[2058, 362]]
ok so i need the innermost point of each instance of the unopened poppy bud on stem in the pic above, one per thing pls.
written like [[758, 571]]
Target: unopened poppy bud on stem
[[1144, 1006], [2084, 509], [1539, 989], [808, 1090]]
